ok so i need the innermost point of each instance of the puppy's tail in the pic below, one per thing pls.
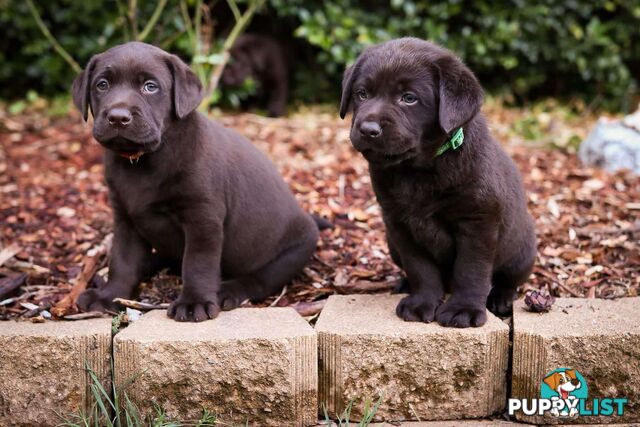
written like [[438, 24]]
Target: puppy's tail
[[321, 223]]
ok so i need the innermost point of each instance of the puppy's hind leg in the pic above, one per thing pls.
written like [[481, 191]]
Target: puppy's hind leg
[[506, 279], [402, 287], [271, 278]]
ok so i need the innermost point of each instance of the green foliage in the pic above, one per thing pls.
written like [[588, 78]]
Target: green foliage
[[525, 46], [115, 409], [368, 413], [27, 59]]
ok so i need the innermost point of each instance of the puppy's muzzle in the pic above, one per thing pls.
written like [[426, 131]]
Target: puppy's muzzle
[[119, 117], [370, 129]]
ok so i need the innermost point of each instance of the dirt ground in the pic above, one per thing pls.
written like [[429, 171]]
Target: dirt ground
[[54, 208]]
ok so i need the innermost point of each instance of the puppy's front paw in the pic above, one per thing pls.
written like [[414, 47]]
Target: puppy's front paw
[[185, 310], [416, 308], [94, 300], [461, 315]]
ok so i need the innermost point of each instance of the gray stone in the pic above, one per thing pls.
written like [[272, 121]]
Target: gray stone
[[247, 365], [43, 371], [423, 371], [612, 146], [599, 338]]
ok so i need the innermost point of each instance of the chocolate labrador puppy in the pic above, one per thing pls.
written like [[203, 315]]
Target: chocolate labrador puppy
[[185, 191], [262, 58], [452, 200]]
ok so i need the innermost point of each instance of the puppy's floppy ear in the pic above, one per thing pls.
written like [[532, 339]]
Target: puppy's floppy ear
[[460, 93], [81, 89], [187, 89], [553, 381], [571, 373], [347, 84]]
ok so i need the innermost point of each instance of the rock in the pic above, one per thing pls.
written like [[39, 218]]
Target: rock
[[43, 369], [598, 338], [247, 365], [423, 371], [612, 146]]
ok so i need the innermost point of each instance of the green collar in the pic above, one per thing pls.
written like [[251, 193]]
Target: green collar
[[455, 141]]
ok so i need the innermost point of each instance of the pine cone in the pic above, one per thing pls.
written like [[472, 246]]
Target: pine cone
[[539, 301]]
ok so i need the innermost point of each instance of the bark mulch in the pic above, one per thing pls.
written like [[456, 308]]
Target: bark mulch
[[54, 212]]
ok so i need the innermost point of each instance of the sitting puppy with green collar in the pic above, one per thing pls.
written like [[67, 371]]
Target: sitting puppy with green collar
[[452, 200]]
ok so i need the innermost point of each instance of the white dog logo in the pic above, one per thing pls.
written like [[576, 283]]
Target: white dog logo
[[564, 383]]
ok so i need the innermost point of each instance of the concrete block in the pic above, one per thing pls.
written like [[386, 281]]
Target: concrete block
[[598, 338], [247, 365], [43, 369], [424, 371], [456, 423]]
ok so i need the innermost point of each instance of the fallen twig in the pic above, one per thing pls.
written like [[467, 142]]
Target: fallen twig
[[591, 230], [366, 286], [140, 305], [87, 315], [89, 268], [309, 308], [27, 266]]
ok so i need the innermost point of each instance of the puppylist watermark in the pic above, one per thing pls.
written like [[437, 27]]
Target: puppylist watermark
[[564, 393]]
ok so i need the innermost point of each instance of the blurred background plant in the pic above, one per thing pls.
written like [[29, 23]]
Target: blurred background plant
[[520, 49]]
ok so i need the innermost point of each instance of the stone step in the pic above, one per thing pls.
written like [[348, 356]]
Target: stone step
[[456, 423], [423, 371], [43, 369], [598, 338], [247, 365]]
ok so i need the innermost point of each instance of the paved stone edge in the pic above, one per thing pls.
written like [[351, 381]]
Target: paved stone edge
[[91, 350], [330, 373], [498, 349], [304, 377], [125, 368]]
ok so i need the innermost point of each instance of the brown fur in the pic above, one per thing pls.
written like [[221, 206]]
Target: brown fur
[[210, 204], [262, 58], [457, 222]]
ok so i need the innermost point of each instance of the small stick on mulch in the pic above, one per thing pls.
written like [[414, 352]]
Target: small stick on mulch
[[87, 315], [90, 267], [366, 286], [305, 309], [142, 306]]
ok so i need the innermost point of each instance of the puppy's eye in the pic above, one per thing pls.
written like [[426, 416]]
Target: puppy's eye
[[409, 98], [362, 94], [150, 87], [102, 84]]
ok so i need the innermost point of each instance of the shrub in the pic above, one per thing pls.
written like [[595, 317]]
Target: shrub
[[527, 47], [524, 47]]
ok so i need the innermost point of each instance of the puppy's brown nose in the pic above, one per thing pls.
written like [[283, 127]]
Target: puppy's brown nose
[[575, 382], [119, 117], [370, 129]]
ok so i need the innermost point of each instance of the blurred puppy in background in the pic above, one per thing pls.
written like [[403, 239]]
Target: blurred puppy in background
[[263, 59]]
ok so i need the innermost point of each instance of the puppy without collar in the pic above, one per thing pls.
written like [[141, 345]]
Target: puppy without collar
[[452, 200], [186, 192]]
